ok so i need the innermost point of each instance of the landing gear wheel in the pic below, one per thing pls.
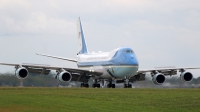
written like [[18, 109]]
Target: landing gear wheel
[[84, 85], [98, 86], [109, 85], [93, 85], [113, 85], [127, 85]]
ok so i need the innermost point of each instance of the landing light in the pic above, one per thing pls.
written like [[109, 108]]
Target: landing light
[[91, 70]]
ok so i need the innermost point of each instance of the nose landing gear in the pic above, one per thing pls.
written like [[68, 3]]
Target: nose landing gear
[[126, 83]]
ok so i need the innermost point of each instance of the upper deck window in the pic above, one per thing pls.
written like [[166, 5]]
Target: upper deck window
[[129, 51]]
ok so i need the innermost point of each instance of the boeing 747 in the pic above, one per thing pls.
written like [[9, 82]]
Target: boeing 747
[[118, 66]]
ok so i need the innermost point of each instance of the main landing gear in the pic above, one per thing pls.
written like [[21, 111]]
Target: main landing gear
[[84, 78], [86, 85], [110, 84], [96, 84]]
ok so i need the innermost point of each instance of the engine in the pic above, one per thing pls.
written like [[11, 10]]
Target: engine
[[186, 76], [21, 73], [64, 76], [158, 78]]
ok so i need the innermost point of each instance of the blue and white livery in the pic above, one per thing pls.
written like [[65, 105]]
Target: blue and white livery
[[118, 66]]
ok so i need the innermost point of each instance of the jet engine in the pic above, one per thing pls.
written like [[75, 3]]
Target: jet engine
[[186, 76], [158, 78], [21, 73], [64, 76]]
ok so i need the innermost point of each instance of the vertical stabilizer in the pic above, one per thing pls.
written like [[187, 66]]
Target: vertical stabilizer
[[81, 40]]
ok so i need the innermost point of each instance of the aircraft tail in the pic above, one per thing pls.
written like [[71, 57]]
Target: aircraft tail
[[81, 39]]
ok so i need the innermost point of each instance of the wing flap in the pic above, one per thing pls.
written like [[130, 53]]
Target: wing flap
[[41, 71]]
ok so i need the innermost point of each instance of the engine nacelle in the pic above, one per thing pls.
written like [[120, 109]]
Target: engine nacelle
[[64, 76], [158, 78], [186, 76], [21, 73]]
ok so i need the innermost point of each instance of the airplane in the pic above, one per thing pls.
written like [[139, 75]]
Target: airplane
[[118, 66]]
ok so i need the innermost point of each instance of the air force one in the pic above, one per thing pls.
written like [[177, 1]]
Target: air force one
[[118, 66]]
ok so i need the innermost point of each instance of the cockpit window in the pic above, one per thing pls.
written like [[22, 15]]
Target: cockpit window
[[129, 51]]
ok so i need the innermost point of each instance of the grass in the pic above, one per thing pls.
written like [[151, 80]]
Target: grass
[[94, 100]]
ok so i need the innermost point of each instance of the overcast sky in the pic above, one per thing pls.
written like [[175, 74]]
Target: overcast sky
[[161, 32]]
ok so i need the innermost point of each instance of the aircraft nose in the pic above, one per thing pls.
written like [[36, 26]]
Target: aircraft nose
[[133, 60]]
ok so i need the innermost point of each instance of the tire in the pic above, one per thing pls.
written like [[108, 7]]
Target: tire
[[113, 85], [86, 85], [82, 85], [98, 85], [109, 86], [125, 86], [94, 85], [129, 85]]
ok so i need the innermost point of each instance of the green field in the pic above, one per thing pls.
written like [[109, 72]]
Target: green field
[[89, 99]]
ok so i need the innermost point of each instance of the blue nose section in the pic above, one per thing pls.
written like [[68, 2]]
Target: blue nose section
[[130, 60], [125, 56], [133, 60]]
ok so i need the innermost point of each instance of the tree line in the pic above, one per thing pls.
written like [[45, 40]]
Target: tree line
[[35, 80], [9, 79]]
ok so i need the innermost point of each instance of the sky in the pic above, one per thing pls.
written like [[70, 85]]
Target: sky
[[161, 32]]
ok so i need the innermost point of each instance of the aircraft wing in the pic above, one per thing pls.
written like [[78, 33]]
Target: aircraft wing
[[73, 60], [77, 73], [166, 69]]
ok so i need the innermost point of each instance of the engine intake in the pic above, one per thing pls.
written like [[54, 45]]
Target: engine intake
[[158, 78], [21, 73], [64, 76], [186, 76]]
